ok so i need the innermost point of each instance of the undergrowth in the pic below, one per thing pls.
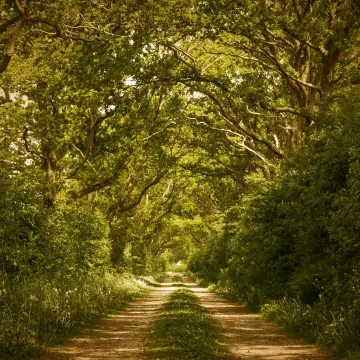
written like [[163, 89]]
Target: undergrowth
[[337, 332], [176, 267], [41, 311], [184, 330]]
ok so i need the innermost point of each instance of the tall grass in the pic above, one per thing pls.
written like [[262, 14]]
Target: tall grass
[[338, 332], [39, 311], [326, 322]]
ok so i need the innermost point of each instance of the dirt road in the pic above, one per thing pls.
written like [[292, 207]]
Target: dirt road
[[250, 336], [122, 336]]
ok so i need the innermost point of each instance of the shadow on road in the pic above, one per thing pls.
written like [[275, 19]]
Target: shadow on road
[[251, 336]]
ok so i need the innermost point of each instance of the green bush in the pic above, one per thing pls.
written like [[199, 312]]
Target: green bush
[[293, 238]]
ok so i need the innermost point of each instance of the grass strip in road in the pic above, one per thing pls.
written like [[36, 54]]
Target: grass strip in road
[[184, 330]]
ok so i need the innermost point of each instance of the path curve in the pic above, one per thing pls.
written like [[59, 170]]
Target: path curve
[[250, 336], [120, 336]]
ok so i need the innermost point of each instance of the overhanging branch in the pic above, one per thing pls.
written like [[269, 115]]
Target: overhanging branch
[[240, 125]]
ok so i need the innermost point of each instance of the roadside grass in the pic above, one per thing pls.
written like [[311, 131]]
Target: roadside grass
[[42, 311], [150, 280], [184, 330], [337, 332]]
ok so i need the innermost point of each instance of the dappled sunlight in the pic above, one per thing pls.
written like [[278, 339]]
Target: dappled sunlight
[[250, 336], [123, 335], [119, 336]]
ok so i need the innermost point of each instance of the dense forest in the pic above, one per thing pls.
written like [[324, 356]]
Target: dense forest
[[137, 133]]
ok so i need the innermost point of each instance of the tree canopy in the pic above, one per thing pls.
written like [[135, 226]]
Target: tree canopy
[[134, 132]]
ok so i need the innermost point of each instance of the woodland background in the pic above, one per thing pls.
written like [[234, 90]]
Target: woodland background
[[134, 134]]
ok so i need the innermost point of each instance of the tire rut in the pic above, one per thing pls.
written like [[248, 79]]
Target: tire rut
[[250, 336]]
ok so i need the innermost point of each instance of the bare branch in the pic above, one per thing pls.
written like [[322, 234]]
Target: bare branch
[[183, 52], [83, 157], [297, 10], [243, 145], [98, 186], [247, 58], [21, 7], [182, 60]]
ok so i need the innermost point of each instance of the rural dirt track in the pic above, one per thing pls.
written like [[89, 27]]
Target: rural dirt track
[[250, 336], [122, 336]]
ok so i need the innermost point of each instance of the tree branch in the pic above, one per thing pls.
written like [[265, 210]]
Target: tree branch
[[243, 145], [297, 10], [10, 50], [98, 186], [293, 34], [27, 147], [240, 125], [59, 32], [120, 207], [6, 24], [285, 110]]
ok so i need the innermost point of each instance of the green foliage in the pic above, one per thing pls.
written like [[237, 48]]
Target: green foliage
[[23, 216], [79, 242], [293, 238], [177, 277], [37, 311], [336, 330], [36, 237], [176, 267], [184, 330], [210, 260], [134, 134]]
